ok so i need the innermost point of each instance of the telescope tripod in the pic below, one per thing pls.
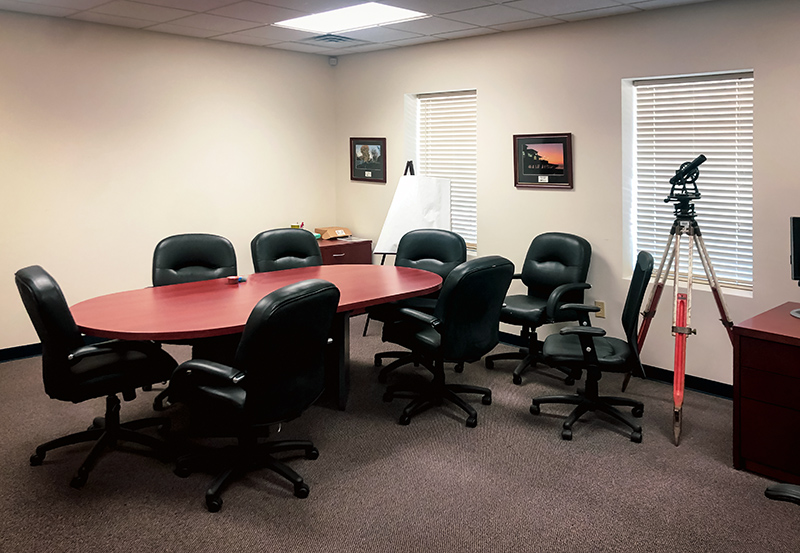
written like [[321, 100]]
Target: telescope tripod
[[684, 225]]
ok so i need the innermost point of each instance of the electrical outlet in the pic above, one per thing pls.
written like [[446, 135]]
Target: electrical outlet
[[602, 313]]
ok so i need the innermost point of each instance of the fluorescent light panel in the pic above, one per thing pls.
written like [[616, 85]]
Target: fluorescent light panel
[[362, 16]]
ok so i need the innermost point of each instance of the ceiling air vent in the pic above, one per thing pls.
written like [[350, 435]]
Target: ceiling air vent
[[333, 39]]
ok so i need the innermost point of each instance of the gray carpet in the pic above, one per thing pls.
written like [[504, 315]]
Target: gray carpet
[[511, 484]]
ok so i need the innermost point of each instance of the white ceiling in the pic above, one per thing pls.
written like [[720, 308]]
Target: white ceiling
[[250, 22]]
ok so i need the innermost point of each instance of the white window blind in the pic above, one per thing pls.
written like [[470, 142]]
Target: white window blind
[[447, 147], [675, 121]]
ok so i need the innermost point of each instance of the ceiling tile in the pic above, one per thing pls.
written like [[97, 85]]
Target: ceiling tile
[[190, 5], [602, 12], [215, 23], [183, 31], [528, 24], [490, 15], [279, 34], [244, 39], [379, 34], [260, 13], [38, 9], [438, 7], [111, 20], [136, 10], [431, 26], [548, 7]]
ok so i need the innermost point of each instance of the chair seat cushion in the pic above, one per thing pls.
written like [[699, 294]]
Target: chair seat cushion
[[387, 312], [413, 335], [115, 371], [523, 310], [566, 349]]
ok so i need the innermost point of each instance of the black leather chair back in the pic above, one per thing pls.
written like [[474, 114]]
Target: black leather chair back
[[553, 259], [284, 248], [434, 250], [48, 310], [193, 257], [469, 307], [282, 349], [633, 301]]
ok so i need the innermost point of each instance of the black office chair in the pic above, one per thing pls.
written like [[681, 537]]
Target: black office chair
[[434, 250], [554, 272], [462, 328], [73, 371], [284, 248], [192, 257], [277, 374], [587, 348]]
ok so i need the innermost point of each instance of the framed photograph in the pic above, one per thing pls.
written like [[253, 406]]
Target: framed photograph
[[543, 161], [368, 159]]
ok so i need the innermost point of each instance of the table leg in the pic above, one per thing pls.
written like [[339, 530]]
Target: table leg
[[337, 362]]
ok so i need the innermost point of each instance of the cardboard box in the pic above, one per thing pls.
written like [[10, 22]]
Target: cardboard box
[[333, 232]]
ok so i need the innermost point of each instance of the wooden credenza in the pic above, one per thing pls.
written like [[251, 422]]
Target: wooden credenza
[[345, 251], [766, 394]]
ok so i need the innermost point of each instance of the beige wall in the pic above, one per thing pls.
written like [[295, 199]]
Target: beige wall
[[567, 78], [111, 139]]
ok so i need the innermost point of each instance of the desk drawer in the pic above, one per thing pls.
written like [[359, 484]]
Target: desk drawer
[[334, 253], [769, 435], [770, 387], [769, 356]]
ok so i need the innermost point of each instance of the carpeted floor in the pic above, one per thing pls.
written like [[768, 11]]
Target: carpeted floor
[[511, 484]]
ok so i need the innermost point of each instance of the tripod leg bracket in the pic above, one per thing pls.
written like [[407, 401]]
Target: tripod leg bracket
[[683, 330]]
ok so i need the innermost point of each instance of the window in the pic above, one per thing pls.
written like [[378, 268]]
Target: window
[[447, 147], [674, 121]]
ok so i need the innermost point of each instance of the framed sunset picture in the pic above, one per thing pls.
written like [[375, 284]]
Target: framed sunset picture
[[543, 161]]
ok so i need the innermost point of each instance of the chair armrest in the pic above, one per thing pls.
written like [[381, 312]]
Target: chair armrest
[[206, 373], [555, 296], [420, 316], [582, 310], [583, 331], [112, 346]]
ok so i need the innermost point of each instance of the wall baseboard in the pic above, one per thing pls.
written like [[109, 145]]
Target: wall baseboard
[[20, 352], [695, 383]]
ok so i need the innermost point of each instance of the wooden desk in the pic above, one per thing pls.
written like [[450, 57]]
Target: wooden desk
[[346, 251], [766, 394], [215, 308]]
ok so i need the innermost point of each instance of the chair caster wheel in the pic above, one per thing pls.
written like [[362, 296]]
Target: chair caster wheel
[[489, 364], [181, 471], [37, 459], [517, 379], [405, 420], [312, 453], [213, 504], [569, 381], [378, 361], [637, 411], [79, 480], [534, 409], [636, 437], [566, 434], [459, 368], [487, 399], [301, 490], [472, 421]]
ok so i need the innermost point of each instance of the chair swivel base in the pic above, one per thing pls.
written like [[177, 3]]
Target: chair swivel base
[[240, 462], [527, 360], [430, 394], [403, 358], [106, 432], [584, 402]]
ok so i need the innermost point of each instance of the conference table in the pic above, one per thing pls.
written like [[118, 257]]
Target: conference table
[[213, 308]]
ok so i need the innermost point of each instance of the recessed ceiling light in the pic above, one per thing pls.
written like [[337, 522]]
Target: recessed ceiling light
[[362, 16]]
